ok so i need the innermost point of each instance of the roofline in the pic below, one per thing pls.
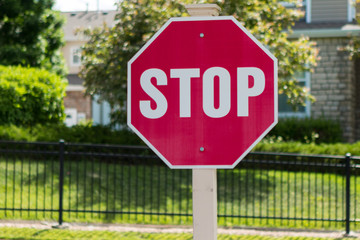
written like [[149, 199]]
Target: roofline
[[325, 33], [74, 88], [89, 11]]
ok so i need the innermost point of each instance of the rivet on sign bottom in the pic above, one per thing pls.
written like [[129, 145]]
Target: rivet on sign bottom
[[201, 35], [202, 149]]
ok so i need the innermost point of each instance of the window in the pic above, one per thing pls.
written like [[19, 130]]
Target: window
[[352, 10], [302, 7], [76, 56], [286, 110]]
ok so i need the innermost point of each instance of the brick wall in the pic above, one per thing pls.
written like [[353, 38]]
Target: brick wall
[[76, 99], [333, 84]]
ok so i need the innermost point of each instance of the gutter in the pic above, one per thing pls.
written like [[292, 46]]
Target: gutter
[[348, 30]]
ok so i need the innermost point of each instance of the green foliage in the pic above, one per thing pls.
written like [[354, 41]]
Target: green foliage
[[275, 145], [271, 24], [29, 96], [106, 54], [77, 134], [31, 35], [308, 130], [85, 134], [353, 48]]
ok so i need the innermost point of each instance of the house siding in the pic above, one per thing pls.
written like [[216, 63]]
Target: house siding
[[332, 84], [329, 10]]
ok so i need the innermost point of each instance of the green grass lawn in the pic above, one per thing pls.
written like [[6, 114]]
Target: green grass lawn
[[159, 195], [35, 234]]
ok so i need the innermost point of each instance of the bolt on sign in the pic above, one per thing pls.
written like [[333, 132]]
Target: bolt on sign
[[202, 92]]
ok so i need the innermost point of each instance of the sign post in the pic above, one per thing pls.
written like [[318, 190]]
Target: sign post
[[202, 92], [204, 195], [204, 181]]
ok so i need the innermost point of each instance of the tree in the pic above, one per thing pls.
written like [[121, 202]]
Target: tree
[[31, 34], [106, 54]]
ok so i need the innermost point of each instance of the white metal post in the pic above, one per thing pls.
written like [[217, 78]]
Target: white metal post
[[204, 184]]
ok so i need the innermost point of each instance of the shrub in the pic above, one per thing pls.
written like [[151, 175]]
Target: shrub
[[105, 135], [305, 148], [12, 132], [85, 134], [30, 96], [307, 130], [76, 134]]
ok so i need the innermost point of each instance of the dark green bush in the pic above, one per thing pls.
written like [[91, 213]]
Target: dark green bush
[[106, 135], [30, 96], [76, 134], [85, 134], [306, 148], [307, 130]]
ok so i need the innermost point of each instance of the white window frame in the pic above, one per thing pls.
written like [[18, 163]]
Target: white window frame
[[307, 106], [351, 10], [72, 54], [308, 11]]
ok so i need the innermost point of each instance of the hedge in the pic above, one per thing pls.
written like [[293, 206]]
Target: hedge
[[30, 96], [106, 135], [309, 148], [308, 130], [76, 134]]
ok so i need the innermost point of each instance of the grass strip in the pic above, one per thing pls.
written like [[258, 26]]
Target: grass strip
[[56, 234]]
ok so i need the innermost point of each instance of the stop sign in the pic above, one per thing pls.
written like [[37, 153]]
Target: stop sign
[[202, 92]]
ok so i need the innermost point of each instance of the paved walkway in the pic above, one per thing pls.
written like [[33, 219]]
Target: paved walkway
[[175, 229]]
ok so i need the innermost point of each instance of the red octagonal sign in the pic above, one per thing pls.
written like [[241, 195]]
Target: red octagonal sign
[[202, 92]]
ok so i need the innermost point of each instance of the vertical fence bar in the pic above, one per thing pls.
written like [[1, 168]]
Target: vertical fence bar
[[144, 191], [36, 187], [21, 186], [44, 185], [14, 186], [6, 184], [69, 174], [347, 192], [188, 183], [85, 189], [52, 185], [61, 180], [355, 199], [77, 187]]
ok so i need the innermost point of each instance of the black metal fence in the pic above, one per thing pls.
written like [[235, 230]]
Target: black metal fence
[[127, 184]]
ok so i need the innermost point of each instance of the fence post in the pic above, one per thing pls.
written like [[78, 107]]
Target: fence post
[[61, 180], [347, 193]]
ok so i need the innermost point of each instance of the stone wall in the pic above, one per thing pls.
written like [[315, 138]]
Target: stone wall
[[333, 84], [357, 97]]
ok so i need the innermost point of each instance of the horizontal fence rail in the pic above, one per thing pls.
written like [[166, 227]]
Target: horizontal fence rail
[[129, 184]]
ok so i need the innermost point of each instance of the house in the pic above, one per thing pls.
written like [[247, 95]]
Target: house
[[77, 106], [335, 82]]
